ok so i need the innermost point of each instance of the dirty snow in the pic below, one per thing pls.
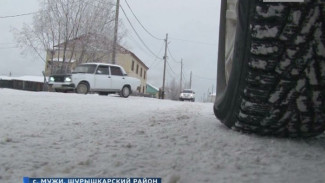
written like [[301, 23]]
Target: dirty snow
[[24, 78], [70, 135]]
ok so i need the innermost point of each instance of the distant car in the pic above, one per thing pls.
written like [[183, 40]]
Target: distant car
[[96, 77], [187, 94]]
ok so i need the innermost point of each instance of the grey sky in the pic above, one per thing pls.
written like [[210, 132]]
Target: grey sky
[[192, 27]]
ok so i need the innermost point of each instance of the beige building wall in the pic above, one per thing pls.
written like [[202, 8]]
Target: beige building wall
[[134, 68]]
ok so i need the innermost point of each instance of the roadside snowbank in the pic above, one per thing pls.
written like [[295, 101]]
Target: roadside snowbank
[[70, 135]]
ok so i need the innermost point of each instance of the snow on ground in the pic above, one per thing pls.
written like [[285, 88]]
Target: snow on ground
[[69, 135]]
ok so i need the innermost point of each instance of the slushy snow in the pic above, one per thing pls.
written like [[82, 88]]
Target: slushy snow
[[70, 135]]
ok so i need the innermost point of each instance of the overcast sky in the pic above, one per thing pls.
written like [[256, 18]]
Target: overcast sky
[[192, 27]]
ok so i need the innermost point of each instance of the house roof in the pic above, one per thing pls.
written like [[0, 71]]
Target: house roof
[[152, 86], [126, 51]]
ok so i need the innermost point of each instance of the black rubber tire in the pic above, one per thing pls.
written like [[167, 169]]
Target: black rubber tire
[[125, 92], [277, 82], [82, 88]]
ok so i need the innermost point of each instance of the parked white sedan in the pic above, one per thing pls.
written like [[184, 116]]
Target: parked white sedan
[[96, 77]]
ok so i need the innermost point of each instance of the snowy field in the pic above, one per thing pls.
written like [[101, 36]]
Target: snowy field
[[70, 135]]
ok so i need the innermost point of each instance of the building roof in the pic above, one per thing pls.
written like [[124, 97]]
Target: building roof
[[120, 48], [126, 51], [152, 86]]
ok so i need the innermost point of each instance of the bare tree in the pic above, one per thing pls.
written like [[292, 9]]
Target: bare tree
[[66, 27], [172, 90]]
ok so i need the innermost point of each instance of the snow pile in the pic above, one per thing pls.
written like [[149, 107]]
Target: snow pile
[[39, 79], [70, 135]]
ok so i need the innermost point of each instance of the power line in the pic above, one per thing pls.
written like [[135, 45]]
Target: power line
[[141, 47], [137, 43], [184, 78], [194, 42], [155, 61], [171, 55], [2, 48], [19, 15], [141, 23], [204, 78], [138, 34], [7, 43], [171, 68]]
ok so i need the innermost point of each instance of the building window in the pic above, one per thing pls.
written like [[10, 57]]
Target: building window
[[144, 74], [144, 90], [132, 68], [137, 71], [141, 72]]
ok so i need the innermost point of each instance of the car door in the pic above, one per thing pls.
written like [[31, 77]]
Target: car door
[[103, 81], [118, 78]]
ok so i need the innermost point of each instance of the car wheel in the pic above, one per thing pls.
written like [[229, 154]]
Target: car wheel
[[82, 88], [277, 82], [125, 92]]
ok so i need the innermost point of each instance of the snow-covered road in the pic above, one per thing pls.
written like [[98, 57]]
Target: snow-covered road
[[70, 135]]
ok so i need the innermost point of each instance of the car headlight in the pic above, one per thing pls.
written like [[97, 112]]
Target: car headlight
[[52, 79], [67, 79]]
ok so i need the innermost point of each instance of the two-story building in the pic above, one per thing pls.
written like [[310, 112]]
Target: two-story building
[[133, 66]]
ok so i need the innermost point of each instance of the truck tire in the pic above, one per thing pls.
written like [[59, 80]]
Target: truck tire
[[277, 82]]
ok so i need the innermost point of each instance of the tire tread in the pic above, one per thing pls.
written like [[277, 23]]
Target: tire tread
[[284, 93]]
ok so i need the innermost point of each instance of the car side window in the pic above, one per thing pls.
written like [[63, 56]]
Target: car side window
[[116, 71], [102, 69]]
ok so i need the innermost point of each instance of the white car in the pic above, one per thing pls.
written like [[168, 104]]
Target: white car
[[187, 94], [96, 77]]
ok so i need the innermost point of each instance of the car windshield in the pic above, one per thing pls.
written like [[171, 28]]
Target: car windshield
[[85, 69], [187, 91]]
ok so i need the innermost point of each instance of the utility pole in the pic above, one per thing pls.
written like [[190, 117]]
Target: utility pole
[[180, 83], [191, 80], [165, 60], [115, 31], [212, 92]]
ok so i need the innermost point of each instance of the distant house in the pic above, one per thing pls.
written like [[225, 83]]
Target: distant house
[[75, 55], [152, 91], [211, 97]]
